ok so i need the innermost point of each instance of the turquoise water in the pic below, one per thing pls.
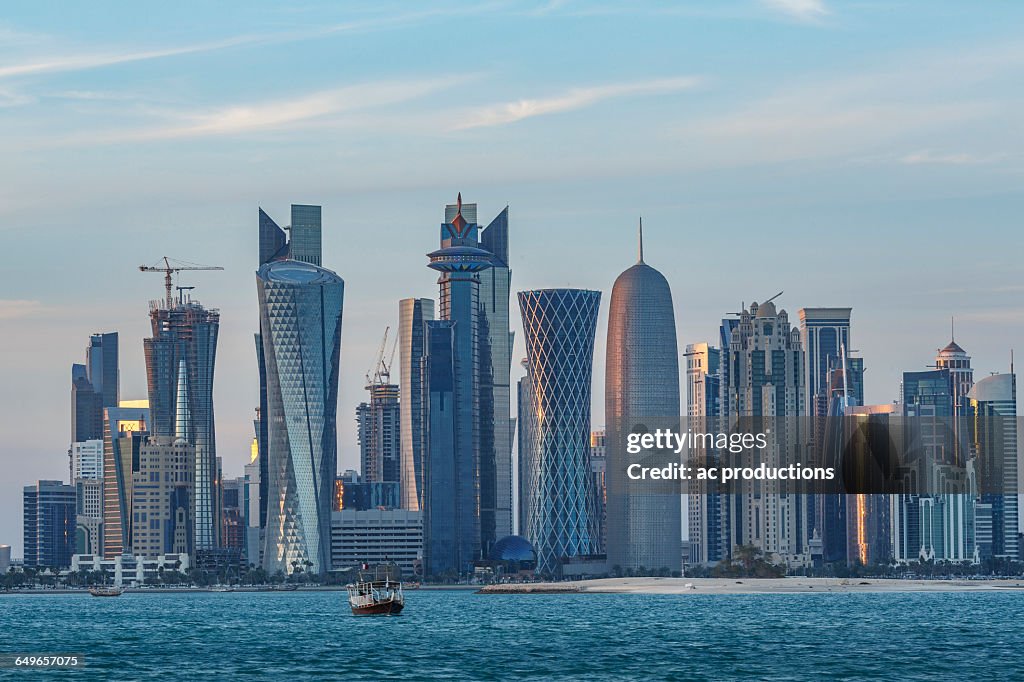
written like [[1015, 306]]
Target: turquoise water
[[461, 635]]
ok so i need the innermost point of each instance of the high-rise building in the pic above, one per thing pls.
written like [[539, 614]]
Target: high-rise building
[[496, 424], [824, 334], [937, 526], [641, 382], [991, 405], [413, 313], [703, 387], [233, 516], [299, 352], [88, 516], [180, 359], [493, 364], [124, 431], [825, 337], [559, 326], [378, 430], [162, 498], [453, 536], [763, 376], [524, 440], [94, 386], [252, 505], [49, 524], [599, 470]]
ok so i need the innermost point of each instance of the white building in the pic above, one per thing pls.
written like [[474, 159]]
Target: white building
[[129, 570], [87, 459], [377, 536]]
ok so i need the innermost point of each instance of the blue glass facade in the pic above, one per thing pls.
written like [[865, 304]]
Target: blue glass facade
[[450, 532], [185, 336], [559, 325], [49, 524], [300, 328]]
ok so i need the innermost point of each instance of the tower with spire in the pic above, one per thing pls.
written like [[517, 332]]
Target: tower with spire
[[641, 382], [466, 474]]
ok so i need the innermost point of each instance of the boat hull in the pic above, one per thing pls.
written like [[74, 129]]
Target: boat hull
[[386, 608]]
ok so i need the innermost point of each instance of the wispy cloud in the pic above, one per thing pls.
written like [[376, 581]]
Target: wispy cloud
[[80, 62], [576, 98], [14, 309], [803, 10], [926, 157], [279, 114], [42, 64]]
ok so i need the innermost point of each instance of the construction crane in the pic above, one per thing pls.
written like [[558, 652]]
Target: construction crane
[[376, 375], [169, 269]]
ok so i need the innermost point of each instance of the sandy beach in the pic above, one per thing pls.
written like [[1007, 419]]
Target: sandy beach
[[754, 586]]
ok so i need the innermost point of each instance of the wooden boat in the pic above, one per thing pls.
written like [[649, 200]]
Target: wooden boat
[[376, 598], [106, 591]]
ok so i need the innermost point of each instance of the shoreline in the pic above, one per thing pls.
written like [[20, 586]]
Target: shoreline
[[794, 585]]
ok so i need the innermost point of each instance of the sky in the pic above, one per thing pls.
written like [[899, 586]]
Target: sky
[[864, 153]]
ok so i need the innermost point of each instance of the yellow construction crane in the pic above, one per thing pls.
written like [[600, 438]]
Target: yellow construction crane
[[168, 269]]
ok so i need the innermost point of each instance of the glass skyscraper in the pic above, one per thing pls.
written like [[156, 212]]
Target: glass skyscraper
[[992, 405], [560, 518], [300, 335], [94, 386], [183, 348], [49, 524], [641, 382]]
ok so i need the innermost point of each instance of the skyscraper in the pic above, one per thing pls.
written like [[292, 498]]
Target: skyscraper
[[180, 359], [641, 382], [162, 497], [379, 429], [763, 376], [559, 325], [992, 405], [94, 386], [496, 428], [460, 261], [124, 431], [825, 337], [300, 341], [49, 524], [824, 333], [493, 367], [413, 313], [937, 526], [703, 384], [451, 531]]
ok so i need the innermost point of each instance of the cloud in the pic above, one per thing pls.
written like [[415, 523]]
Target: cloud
[[82, 62], [15, 309], [803, 10], [576, 98], [927, 157], [93, 60], [279, 114]]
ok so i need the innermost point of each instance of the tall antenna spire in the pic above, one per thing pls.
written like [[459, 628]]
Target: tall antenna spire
[[952, 330], [640, 254]]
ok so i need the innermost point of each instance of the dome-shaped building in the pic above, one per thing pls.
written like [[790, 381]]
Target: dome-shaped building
[[513, 554]]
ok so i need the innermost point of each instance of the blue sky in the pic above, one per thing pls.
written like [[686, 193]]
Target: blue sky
[[850, 153]]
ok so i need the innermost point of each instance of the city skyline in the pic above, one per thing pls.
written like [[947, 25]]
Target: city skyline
[[922, 236]]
